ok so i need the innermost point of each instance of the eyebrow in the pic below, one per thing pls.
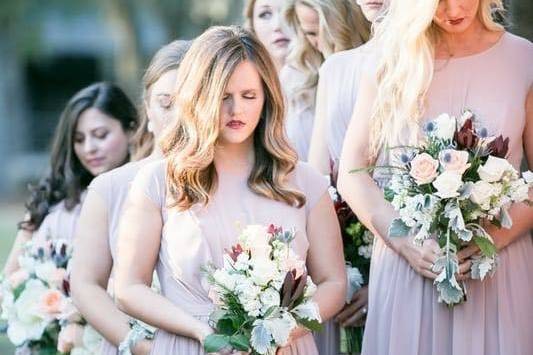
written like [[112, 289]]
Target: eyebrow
[[92, 130]]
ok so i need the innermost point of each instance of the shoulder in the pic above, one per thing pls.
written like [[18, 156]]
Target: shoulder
[[517, 43], [516, 53], [309, 180]]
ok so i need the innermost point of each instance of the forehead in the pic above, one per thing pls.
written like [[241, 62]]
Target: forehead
[[93, 118], [245, 76], [165, 83], [306, 14], [275, 4]]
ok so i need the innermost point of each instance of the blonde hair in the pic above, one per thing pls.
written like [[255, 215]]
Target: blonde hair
[[408, 35], [166, 58], [248, 14], [340, 21], [189, 144]]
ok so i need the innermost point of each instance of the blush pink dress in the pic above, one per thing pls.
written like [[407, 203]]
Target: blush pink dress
[[193, 238], [404, 317], [113, 187]]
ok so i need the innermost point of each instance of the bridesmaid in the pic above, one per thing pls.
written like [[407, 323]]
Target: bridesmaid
[[338, 84], [94, 248], [453, 56], [227, 164], [323, 27], [91, 137], [265, 19]]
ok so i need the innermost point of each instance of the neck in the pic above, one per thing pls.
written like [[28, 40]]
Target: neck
[[234, 157], [156, 153], [279, 64], [466, 41]]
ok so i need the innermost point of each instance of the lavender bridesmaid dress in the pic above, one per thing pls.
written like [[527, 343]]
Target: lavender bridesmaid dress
[[193, 238], [404, 316], [338, 84]]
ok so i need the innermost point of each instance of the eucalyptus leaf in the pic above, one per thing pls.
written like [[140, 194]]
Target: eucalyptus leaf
[[261, 338], [486, 246], [398, 229]]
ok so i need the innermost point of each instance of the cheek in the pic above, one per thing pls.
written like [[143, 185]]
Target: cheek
[[263, 30], [115, 146]]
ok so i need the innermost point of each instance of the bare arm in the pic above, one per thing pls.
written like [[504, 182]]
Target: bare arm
[[12, 264], [521, 214], [325, 258], [364, 197], [138, 248], [91, 268], [318, 150]]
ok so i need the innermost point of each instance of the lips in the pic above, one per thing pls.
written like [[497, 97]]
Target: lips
[[374, 4], [95, 162], [235, 124], [282, 42], [456, 22]]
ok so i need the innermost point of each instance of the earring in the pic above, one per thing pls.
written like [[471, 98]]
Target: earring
[[150, 126]]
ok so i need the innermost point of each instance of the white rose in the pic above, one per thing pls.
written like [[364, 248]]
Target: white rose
[[494, 169], [519, 190], [263, 271], [481, 194], [257, 240], [223, 278], [445, 126], [269, 298], [447, 184], [454, 160], [28, 322]]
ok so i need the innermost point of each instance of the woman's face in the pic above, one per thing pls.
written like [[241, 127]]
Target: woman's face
[[242, 104], [159, 106], [309, 24], [270, 28], [456, 16], [371, 8], [100, 142]]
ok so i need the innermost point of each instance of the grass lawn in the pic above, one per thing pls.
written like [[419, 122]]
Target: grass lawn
[[9, 216]]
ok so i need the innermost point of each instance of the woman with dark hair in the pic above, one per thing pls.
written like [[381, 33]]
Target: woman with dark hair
[[95, 241], [91, 137]]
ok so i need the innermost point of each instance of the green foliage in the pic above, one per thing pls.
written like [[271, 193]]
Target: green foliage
[[485, 245]]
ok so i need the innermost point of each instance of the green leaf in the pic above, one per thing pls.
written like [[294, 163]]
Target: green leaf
[[485, 245], [398, 229], [240, 342], [312, 325], [215, 342], [18, 291], [226, 326]]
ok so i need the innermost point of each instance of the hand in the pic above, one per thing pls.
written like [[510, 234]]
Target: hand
[[143, 347], [354, 313], [295, 334], [421, 258], [202, 332], [464, 256]]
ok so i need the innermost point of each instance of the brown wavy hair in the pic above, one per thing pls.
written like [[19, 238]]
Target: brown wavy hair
[[190, 143], [166, 58]]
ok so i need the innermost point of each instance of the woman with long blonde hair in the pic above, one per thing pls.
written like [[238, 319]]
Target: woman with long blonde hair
[[265, 19], [322, 27], [227, 163], [96, 236], [442, 56]]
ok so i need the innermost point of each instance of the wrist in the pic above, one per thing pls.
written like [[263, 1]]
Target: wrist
[[201, 331]]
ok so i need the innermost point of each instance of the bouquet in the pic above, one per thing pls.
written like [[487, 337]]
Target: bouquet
[[357, 243], [41, 317], [262, 293], [448, 188]]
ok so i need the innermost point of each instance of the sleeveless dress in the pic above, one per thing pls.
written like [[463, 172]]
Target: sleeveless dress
[[193, 238], [338, 84], [113, 187], [59, 223], [300, 111], [404, 316]]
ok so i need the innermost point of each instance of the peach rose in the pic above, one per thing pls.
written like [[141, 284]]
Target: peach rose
[[424, 168], [454, 161], [52, 302], [69, 337]]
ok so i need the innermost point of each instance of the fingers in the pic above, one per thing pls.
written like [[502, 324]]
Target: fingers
[[347, 312], [429, 274], [464, 270], [467, 252], [356, 318]]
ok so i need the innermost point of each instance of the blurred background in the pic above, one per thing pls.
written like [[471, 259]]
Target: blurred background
[[50, 49]]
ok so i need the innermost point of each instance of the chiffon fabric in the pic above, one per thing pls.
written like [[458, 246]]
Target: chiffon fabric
[[198, 236], [404, 316]]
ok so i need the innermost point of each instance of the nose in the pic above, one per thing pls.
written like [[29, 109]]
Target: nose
[[89, 145], [453, 8], [236, 107]]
